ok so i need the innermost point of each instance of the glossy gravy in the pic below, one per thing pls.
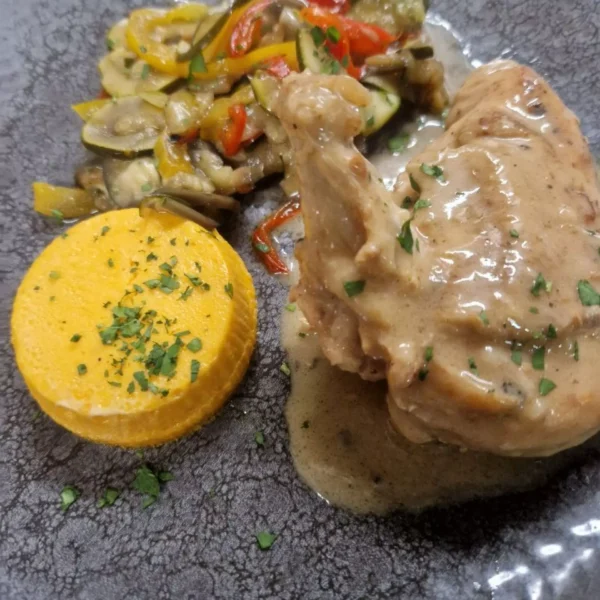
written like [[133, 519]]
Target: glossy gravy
[[342, 441]]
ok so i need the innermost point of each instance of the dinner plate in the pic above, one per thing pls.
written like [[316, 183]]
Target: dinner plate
[[198, 540]]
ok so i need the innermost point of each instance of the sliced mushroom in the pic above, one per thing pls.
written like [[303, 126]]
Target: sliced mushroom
[[129, 181]]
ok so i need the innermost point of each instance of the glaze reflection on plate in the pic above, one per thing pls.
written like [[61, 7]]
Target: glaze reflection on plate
[[198, 540]]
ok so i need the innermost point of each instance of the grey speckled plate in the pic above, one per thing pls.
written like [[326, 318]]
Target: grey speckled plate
[[198, 540]]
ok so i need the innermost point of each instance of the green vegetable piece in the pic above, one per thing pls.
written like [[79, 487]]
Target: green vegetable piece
[[194, 369], [546, 386], [399, 143], [75, 337], [353, 288], [264, 539], [198, 64], [194, 345], [433, 171], [587, 294], [108, 498], [68, 496], [540, 284], [81, 369], [259, 438], [229, 289], [538, 358], [405, 237], [285, 369]]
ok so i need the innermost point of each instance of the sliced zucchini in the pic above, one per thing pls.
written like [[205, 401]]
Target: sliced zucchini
[[310, 57], [266, 89], [125, 127], [122, 74], [205, 33], [129, 181], [385, 102]]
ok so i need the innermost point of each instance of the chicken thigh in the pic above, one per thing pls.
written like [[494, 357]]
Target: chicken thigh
[[472, 286]]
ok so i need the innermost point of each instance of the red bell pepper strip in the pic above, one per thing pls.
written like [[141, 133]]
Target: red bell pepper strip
[[231, 135], [277, 66], [366, 40], [261, 238], [333, 6], [246, 32]]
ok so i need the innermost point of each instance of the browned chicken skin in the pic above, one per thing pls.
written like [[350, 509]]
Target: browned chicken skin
[[471, 310]]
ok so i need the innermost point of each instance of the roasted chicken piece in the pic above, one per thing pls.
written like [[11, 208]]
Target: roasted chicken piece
[[472, 287]]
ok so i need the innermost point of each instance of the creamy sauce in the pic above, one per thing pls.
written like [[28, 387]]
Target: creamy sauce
[[346, 449]]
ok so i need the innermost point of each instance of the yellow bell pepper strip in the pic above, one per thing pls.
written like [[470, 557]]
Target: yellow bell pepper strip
[[219, 111], [141, 36], [250, 62], [86, 109], [172, 157], [70, 203]]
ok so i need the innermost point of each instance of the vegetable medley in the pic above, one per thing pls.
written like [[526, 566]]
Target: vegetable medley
[[184, 124]]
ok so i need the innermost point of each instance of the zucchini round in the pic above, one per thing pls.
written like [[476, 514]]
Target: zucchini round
[[266, 88], [205, 33], [385, 102], [125, 127]]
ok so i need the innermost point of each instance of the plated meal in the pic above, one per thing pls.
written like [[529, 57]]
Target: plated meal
[[440, 347]]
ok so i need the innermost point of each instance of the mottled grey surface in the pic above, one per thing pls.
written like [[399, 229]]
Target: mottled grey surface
[[195, 543]]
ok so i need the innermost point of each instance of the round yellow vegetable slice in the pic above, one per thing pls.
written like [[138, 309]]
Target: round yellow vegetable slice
[[134, 331]]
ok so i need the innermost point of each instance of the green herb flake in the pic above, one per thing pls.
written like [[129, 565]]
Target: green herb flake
[[405, 237], [110, 44], [140, 377], [587, 294], [534, 310], [111, 263], [264, 539], [517, 357], [399, 143], [290, 307], [433, 171], [194, 369], [370, 121], [104, 230], [421, 203], [108, 498], [187, 293], [229, 289], [263, 248], [514, 233], [538, 358], [152, 283], [429, 354], [75, 337], [285, 369], [414, 184], [540, 284], [551, 332], [54, 275], [472, 365], [145, 71], [197, 64], [68, 496], [149, 239], [146, 187], [151, 256], [546, 386], [146, 482], [138, 288], [318, 36], [57, 215], [194, 345], [333, 35], [305, 424], [81, 369], [422, 374], [131, 387], [353, 288], [168, 284], [115, 384], [484, 318], [576, 351], [259, 438]]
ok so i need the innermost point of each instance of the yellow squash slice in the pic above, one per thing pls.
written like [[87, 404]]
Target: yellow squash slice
[[133, 331]]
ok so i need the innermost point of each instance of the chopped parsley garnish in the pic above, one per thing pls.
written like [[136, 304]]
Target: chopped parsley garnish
[[138, 288], [166, 267], [57, 215], [333, 35], [290, 307], [54, 275], [173, 241], [108, 498], [145, 71], [68, 496], [259, 438], [534, 310], [194, 345], [428, 353], [546, 386], [472, 365], [540, 284], [405, 237], [110, 45], [229, 289], [433, 171], [285, 369], [197, 64], [146, 187], [140, 377], [587, 294], [421, 203], [407, 202], [399, 143], [318, 36], [305, 425], [196, 281], [194, 369], [484, 318], [187, 293], [151, 256], [147, 483], [104, 230], [264, 539], [149, 239], [75, 337], [152, 283], [414, 185], [111, 262], [81, 369], [514, 233], [261, 247], [168, 284], [143, 49], [423, 372], [551, 332], [538, 358], [370, 121], [353, 288], [115, 384], [517, 356], [576, 351], [131, 387]]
